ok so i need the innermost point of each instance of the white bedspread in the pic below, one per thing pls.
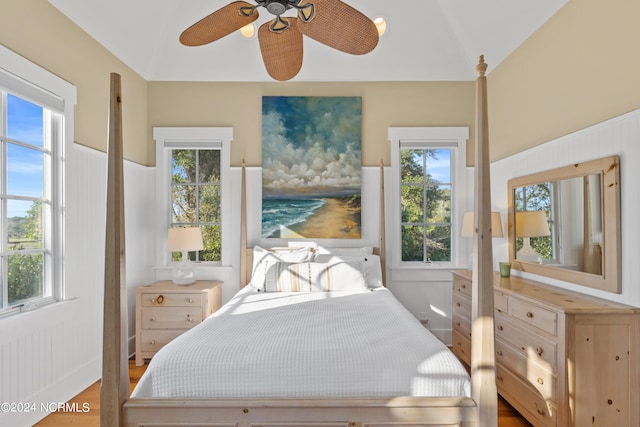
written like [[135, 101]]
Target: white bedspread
[[277, 345]]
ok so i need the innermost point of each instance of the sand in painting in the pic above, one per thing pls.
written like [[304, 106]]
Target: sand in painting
[[336, 219]]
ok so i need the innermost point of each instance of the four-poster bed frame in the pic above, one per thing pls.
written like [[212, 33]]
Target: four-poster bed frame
[[118, 410]]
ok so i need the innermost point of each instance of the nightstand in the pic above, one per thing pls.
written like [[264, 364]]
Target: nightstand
[[165, 310]]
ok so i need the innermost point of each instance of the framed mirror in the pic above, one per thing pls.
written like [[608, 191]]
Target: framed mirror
[[565, 223]]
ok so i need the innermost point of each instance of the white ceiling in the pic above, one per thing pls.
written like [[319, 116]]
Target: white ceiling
[[427, 40]]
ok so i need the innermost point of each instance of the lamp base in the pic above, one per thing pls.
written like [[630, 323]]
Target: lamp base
[[183, 273], [527, 253]]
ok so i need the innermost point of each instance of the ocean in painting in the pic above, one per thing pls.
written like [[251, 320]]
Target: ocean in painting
[[278, 213]]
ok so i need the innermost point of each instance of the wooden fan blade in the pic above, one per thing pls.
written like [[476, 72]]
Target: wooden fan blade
[[281, 52], [220, 23], [341, 27]]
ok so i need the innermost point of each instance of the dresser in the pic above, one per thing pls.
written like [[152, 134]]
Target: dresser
[[165, 310], [562, 358]]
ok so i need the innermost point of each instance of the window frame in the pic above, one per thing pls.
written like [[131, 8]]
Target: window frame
[[169, 138], [453, 138], [30, 82]]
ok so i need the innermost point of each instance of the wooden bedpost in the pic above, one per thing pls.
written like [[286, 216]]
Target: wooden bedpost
[[114, 389], [243, 228], [382, 227], [483, 373]]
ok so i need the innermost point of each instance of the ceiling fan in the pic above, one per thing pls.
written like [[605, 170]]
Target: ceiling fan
[[331, 22]]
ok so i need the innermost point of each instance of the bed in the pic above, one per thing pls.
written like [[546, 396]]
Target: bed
[[297, 346]]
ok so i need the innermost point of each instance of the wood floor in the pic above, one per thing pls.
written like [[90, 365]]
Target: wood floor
[[90, 399]]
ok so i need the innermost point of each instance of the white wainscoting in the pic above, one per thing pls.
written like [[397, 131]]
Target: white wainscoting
[[51, 354], [618, 136]]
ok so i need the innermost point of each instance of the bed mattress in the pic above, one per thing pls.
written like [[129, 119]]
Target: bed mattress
[[305, 345]]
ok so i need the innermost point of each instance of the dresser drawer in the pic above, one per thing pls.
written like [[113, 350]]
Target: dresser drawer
[[462, 346], [540, 378], [159, 299], [171, 317], [462, 286], [155, 340], [532, 346], [462, 305], [525, 398], [538, 317], [462, 325], [501, 302]]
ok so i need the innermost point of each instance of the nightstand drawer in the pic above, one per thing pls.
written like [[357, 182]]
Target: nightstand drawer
[[537, 348], [160, 299], [155, 340], [538, 377], [171, 317], [533, 315]]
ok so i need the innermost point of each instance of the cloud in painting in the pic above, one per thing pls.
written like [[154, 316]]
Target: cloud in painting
[[311, 146]]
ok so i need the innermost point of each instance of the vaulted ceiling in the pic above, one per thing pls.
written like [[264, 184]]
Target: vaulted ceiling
[[426, 40]]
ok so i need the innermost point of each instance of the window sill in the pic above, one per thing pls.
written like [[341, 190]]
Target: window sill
[[31, 307]]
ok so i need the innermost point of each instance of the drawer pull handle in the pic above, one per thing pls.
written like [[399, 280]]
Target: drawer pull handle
[[189, 319], [529, 314], [499, 353], [190, 300], [464, 286], [500, 328], [152, 342], [457, 304], [539, 350], [540, 381], [540, 411], [152, 319], [160, 299], [499, 378], [458, 323]]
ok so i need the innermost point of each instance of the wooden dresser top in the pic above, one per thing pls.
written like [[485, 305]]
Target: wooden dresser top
[[561, 299]]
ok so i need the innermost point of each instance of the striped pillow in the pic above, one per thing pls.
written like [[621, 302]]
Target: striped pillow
[[315, 277]]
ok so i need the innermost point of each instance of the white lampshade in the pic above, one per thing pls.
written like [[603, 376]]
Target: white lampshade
[[184, 239], [532, 224], [467, 225]]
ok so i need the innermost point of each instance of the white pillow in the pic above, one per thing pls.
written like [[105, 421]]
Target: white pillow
[[371, 262], [315, 277], [345, 251], [263, 258]]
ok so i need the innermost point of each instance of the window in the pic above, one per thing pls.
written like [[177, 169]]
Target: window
[[429, 175], [34, 126], [193, 165], [195, 197], [425, 204]]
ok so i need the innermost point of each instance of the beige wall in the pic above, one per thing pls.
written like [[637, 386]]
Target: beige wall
[[580, 68], [239, 105], [38, 32]]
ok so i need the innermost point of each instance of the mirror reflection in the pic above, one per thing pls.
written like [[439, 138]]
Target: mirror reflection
[[564, 223], [559, 223]]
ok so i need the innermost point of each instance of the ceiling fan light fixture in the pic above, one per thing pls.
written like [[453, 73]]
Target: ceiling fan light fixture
[[381, 25], [248, 31]]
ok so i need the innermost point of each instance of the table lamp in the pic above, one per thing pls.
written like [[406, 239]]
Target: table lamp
[[184, 240], [531, 224]]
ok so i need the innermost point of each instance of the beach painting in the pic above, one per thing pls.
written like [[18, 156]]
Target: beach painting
[[311, 167]]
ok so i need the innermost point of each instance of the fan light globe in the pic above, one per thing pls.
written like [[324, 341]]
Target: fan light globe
[[381, 25]]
